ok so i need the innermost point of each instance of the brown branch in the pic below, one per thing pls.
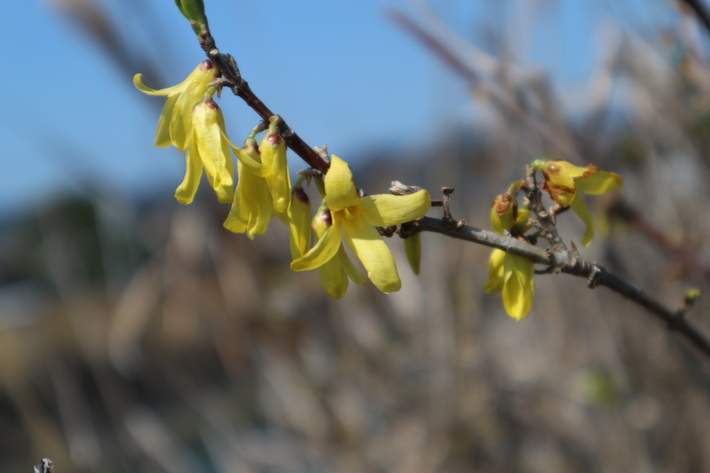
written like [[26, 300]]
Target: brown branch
[[557, 258], [563, 260], [228, 67]]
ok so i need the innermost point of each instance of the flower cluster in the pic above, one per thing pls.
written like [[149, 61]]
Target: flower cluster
[[511, 274], [514, 275], [193, 122]]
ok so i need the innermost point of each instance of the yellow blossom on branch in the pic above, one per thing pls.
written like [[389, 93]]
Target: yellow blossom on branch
[[252, 206], [176, 119], [565, 181], [514, 276], [510, 274], [208, 148], [355, 220]]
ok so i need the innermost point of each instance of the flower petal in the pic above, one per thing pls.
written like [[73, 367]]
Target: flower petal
[[581, 209], [413, 249], [273, 155], [367, 243], [213, 149], [252, 207], [350, 269], [186, 191], [339, 185], [600, 182], [140, 85], [333, 277], [385, 209], [162, 134], [299, 222], [519, 286], [323, 251], [495, 272]]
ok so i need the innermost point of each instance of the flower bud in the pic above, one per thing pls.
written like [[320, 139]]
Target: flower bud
[[413, 248]]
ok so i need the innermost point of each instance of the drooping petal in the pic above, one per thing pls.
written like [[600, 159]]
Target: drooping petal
[[213, 149], [323, 251], [140, 85], [600, 182], [333, 277], [386, 209], [252, 207], [162, 134], [353, 273], [340, 186], [519, 286], [186, 191], [413, 249], [273, 155], [299, 222], [370, 248], [581, 209], [494, 283]]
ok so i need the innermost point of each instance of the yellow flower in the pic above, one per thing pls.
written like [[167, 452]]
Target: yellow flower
[[252, 206], [564, 181], [515, 276], [354, 219], [273, 157], [335, 272], [176, 119], [298, 219], [208, 149]]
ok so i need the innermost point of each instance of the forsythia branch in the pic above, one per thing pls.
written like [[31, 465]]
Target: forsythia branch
[[565, 261], [557, 258]]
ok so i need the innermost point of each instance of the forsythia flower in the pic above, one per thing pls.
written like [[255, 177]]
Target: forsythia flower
[[564, 182], [515, 276], [252, 206], [335, 272], [208, 149], [512, 274], [354, 219], [273, 157], [176, 119]]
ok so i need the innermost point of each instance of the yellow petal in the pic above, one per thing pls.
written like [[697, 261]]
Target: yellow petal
[[600, 182], [333, 278], [386, 209], [252, 208], [213, 149], [581, 209], [367, 243], [323, 251], [349, 268], [339, 185], [273, 155], [186, 191], [519, 286], [299, 222], [413, 249], [140, 85], [162, 135], [495, 272]]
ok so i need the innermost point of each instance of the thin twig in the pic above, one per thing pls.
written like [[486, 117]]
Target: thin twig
[[557, 258], [567, 262], [701, 11], [228, 67]]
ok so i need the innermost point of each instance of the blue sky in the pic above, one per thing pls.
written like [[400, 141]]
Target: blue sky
[[341, 73]]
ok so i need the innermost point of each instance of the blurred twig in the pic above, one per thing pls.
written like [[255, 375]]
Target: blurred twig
[[701, 11]]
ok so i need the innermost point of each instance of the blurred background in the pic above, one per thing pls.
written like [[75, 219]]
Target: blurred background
[[136, 335]]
